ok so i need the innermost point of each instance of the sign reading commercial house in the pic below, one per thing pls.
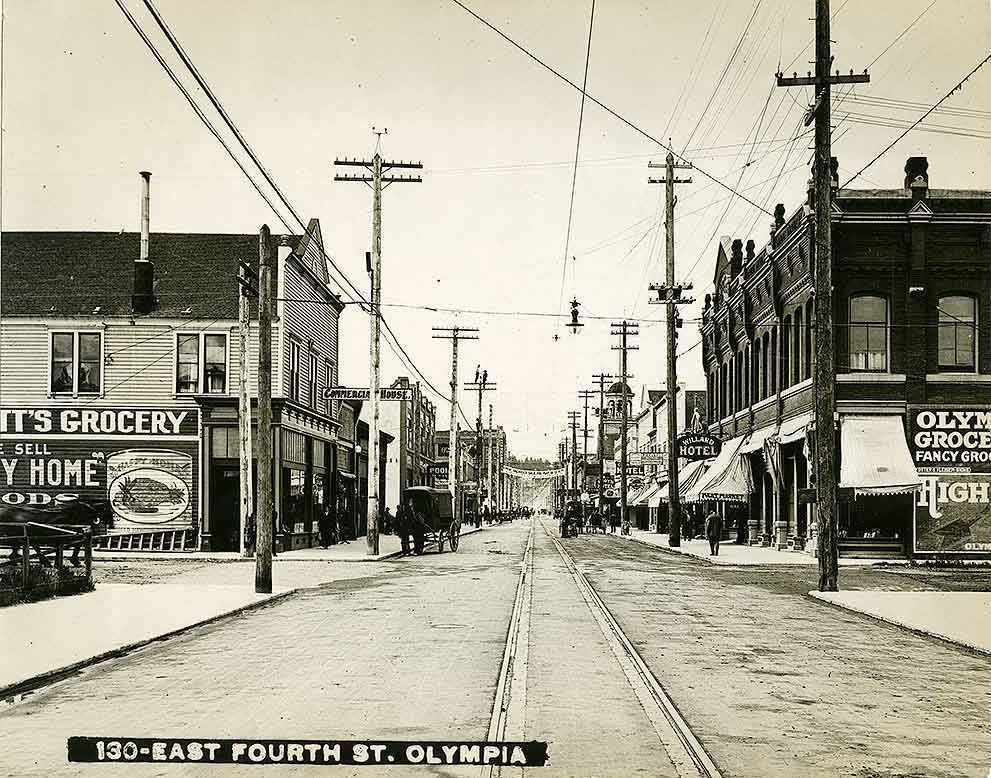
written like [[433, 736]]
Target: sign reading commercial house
[[136, 466], [698, 445], [352, 393], [951, 449]]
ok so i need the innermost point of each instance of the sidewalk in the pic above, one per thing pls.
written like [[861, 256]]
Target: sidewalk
[[959, 617], [351, 551], [53, 636], [118, 617], [734, 555]]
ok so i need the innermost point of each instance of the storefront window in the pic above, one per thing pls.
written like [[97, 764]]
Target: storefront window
[[293, 500], [882, 517], [869, 334], [957, 333]]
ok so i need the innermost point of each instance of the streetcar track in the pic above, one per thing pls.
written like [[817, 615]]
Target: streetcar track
[[685, 750]]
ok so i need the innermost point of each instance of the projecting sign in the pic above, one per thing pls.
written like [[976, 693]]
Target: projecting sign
[[352, 393], [653, 457], [698, 445]]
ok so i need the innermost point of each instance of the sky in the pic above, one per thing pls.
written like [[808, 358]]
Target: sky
[[85, 107]]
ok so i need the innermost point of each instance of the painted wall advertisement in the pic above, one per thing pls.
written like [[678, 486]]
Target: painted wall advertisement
[[136, 466], [951, 448]]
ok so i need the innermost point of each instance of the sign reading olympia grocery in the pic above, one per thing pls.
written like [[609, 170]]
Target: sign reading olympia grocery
[[952, 450], [698, 445], [135, 465], [350, 393]]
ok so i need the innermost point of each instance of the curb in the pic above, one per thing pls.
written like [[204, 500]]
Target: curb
[[52, 676], [955, 642], [99, 556], [667, 550]]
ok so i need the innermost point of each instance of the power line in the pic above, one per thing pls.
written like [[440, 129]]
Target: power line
[[918, 121], [578, 144], [599, 103]]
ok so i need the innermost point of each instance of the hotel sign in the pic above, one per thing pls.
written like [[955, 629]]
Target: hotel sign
[[353, 393], [951, 447], [698, 445]]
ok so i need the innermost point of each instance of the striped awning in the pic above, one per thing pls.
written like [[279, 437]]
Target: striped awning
[[755, 441], [688, 476], [728, 479], [793, 429], [874, 456], [644, 496]]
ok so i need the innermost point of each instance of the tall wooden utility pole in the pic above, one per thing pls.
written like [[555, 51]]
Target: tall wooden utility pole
[[602, 379], [454, 334], [584, 395], [480, 384], [824, 371], [248, 289], [378, 182], [263, 525], [670, 295], [573, 424], [492, 505], [627, 330]]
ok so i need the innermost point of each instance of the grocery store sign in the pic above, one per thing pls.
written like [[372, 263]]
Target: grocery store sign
[[16, 422]]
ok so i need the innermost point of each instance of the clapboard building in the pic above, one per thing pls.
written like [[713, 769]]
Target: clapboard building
[[119, 375], [912, 307]]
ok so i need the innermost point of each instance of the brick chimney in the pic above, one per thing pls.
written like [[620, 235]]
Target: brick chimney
[[736, 258], [917, 177], [143, 295]]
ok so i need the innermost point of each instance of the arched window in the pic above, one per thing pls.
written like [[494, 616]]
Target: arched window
[[957, 333], [755, 396], [765, 364], [798, 361], [775, 364], [868, 333], [786, 352], [809, 342]]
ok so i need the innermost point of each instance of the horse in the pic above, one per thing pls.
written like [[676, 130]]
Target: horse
[[63, 513]]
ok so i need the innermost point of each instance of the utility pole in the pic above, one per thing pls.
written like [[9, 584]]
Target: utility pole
[[670, 295], [378, 182], [492, 505], [584, 395], [481, 384], [573, 424], [454, 334], [263, 525], [602, 379], [245, 279], [824, 371], [627, 329]]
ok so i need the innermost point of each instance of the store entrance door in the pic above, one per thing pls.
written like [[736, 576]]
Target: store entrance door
[[225, 507]]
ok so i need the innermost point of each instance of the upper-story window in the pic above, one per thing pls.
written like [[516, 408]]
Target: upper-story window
[[957, 333], [329, 404], [77, 363], [201, 363], [312, 379], [294, 370], [869, 333]]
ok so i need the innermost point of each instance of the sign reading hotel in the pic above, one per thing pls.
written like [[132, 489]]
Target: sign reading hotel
[[351, 393], [698, 445], [951, 449], [135, 465]]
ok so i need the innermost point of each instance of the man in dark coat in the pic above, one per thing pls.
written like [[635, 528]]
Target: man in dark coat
[[714, 531], [402, 525]]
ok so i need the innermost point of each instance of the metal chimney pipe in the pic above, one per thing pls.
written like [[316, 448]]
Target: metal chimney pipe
[[145, 213]]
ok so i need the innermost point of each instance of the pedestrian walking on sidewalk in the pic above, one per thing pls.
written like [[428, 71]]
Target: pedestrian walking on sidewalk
[[403, 514], [713, 531]]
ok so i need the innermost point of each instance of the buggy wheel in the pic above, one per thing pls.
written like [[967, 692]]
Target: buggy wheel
[[455, 536]]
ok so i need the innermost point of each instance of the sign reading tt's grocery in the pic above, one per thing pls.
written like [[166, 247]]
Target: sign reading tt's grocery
[[135, 466], [951, 449]]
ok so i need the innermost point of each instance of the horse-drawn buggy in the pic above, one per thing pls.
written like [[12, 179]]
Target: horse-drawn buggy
[[432, 517], [571, 520]]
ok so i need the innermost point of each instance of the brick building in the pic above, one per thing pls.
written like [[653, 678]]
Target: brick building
[[911, 305]]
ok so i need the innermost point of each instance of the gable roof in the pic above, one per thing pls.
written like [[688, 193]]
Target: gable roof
[[75, 272]]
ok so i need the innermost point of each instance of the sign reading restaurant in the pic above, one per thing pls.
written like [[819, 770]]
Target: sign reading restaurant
[[136, 466], [352, 393], [951, 449]]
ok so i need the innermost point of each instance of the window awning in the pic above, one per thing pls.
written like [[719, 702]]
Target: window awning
[[688, 476], [755, 441], [644, 495], [727, 480], [874, 456], [794, 429]]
